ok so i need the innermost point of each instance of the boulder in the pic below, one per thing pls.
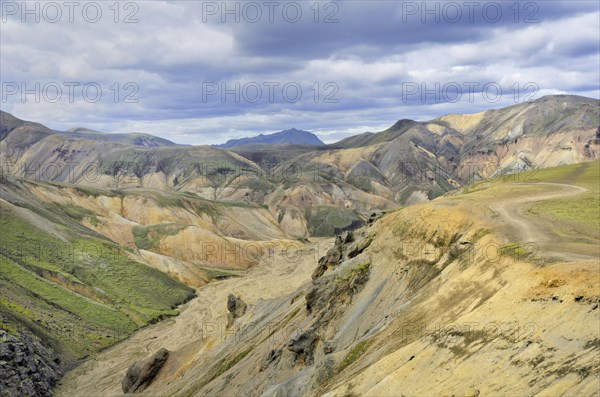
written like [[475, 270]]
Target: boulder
[[141, 374], [237, 308]]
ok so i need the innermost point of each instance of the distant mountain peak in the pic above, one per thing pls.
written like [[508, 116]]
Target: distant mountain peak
[[403, 123], [83, 130], [291, 136]]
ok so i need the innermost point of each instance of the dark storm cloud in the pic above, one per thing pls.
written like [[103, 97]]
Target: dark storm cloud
[[388, 25], [372, 55]]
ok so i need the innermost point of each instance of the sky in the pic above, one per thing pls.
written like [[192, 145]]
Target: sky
[[203, 72]]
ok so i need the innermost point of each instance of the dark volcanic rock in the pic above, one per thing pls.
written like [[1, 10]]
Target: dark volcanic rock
[[304, 345], [334, 256], [330, 293], [237, 308], [344, 238], [27, 367], [374, 217], [331, 259], [141, 374], [347, 245], [358, 247], [320, 294], [272, 357]]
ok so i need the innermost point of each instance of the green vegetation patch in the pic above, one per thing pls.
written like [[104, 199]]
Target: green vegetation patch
[[80, 294], [79, 213], [193, 202], [577, 215], [361, 182], [220, 274], [88, 310], [517, 251], [481, 233], [148, 237], [15, 308], [323, 220], [356, 271], [228, 364], [581, 213], [258, 184], [11, 329], [580, 174], [88, 191], [354, 354], [224, 366]]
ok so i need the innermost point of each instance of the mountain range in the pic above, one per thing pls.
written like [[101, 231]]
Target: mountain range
[[315, 190], [117, 246]]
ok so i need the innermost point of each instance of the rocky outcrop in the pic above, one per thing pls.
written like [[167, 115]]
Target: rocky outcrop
[[27, 367], [328, 292], [272, 357], [331, 259], [331, 293], [334, 256], [141, 374], [374, 216], [304, 345], [347, 245], [236, 307]]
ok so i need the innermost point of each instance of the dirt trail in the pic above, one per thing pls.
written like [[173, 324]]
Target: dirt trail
[[528, 229]]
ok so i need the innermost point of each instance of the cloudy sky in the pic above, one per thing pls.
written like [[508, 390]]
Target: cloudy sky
[[202, 72]]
